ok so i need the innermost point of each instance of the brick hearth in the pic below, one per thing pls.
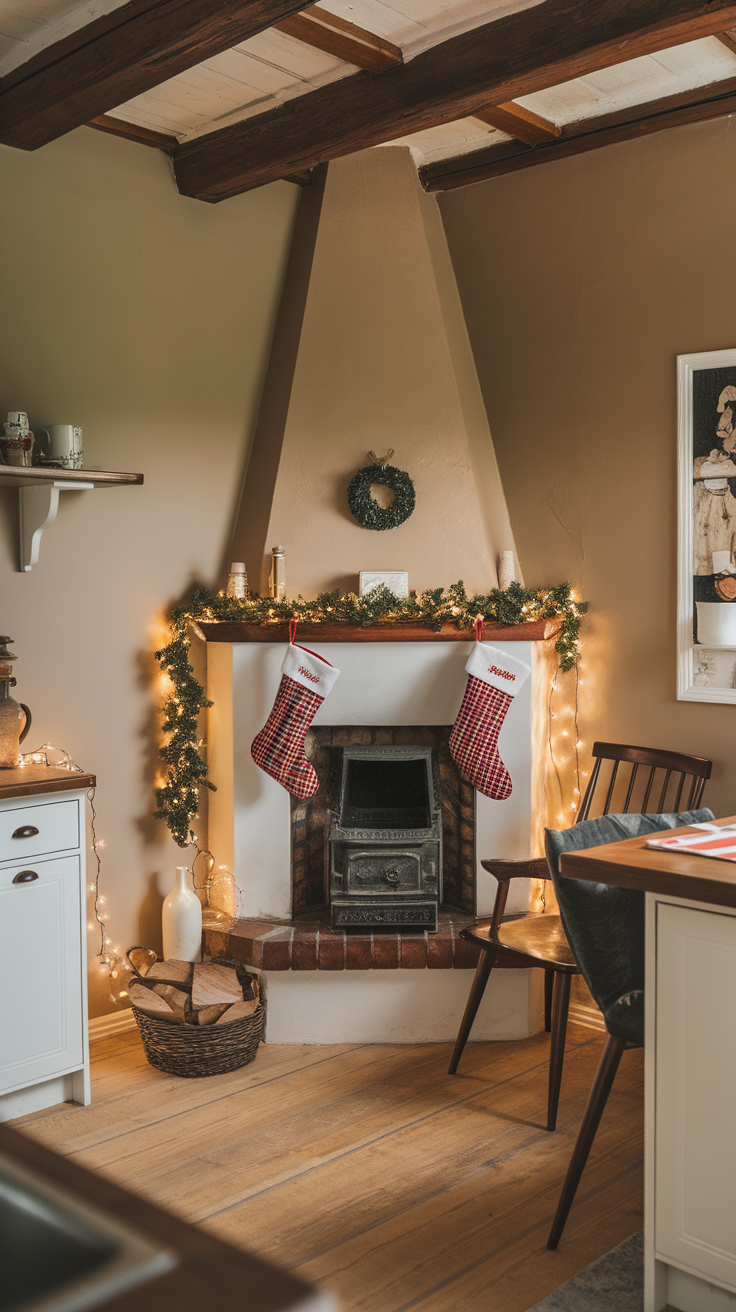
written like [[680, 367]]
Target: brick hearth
[[309, 944]]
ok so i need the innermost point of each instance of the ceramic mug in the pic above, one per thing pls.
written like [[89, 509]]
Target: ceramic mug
[[61, 444]]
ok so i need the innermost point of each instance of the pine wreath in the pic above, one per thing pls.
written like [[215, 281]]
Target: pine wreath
[[366, 509]]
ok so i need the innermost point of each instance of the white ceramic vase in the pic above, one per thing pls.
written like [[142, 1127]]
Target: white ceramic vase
[[181, 920]]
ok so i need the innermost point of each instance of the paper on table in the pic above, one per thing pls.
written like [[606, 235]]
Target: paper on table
[[717, 841]]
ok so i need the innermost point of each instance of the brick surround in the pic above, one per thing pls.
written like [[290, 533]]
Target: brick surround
[[310, 820]]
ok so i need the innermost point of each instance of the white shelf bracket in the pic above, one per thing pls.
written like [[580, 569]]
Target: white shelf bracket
[[39, 507]]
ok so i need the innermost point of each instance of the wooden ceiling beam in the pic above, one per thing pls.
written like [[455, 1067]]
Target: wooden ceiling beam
[[578, 138], [335, 36], [518, 122], [728, 39], [510, 57], [120, 55], [118, 127]]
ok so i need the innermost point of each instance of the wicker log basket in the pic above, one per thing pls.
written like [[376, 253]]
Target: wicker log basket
[[194, 1050]]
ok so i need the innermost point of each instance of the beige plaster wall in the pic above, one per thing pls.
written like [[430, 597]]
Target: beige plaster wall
[[384, 361], [581, 281], [146, 317]]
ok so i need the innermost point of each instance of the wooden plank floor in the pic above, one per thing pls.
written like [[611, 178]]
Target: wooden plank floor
[[369, 1169]]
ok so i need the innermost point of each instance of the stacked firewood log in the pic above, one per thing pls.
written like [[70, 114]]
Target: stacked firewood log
[[194, 994]]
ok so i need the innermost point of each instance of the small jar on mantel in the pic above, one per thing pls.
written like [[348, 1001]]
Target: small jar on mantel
[[237, 581], [181, 920], [277, 581]]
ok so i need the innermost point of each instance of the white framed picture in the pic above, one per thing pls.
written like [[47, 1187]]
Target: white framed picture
[[706, 609], [396, 580]]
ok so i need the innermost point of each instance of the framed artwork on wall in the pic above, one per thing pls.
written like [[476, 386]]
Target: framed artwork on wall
[[706, 610]]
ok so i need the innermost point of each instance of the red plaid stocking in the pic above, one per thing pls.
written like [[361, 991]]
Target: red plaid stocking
[[494, 680], [278, 749]]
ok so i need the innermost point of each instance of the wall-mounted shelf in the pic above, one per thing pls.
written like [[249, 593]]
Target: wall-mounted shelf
[[39, 498]]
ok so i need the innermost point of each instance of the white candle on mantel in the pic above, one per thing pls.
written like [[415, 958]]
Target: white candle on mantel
[[506, 571]]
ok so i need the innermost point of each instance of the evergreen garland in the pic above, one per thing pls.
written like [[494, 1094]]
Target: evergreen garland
[[178, 798], [186, 772]]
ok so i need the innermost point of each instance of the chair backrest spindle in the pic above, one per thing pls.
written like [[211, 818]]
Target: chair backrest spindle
[[663, 794], [645, 803], [630, 790], [590, 791], [611, 786], [700, 790]]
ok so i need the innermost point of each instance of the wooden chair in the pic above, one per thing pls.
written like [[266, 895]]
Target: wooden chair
[[538, 939]]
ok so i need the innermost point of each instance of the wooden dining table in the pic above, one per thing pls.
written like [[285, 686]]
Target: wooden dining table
[[690, 1067]]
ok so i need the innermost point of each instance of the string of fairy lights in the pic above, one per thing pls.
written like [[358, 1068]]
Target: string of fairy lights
[[109, 955], [573, 735]]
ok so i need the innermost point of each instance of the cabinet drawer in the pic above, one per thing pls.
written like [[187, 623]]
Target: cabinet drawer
[[27, 831], [40, 971]]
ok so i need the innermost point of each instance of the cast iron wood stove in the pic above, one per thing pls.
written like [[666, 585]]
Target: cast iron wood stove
[[386, 840]]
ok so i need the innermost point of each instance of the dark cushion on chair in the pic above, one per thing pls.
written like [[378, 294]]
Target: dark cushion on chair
[[605, 924]]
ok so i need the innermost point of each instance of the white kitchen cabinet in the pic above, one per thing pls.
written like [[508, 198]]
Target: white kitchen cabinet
[[44, 1054], [692, 1059]]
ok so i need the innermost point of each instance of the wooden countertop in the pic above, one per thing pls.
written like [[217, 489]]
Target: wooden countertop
[[29, 780], [631, 864], [211, 1276]]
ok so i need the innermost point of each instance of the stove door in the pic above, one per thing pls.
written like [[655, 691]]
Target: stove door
[[390, 870]]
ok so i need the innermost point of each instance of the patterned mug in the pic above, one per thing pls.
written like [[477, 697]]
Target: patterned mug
[[61, 445]]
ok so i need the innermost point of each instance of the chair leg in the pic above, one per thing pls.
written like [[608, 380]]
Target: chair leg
[[477, 989], [560, 1007], [549, 981], [604, 1077]]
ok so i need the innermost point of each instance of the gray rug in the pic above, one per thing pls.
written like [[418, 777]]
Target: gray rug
[[615, 1283]]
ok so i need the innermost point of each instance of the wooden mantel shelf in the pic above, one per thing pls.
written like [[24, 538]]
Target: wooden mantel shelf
[[240, 631]]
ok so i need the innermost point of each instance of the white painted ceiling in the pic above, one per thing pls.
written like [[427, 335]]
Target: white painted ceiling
[[27, 26], [271, 68], [683, 68]]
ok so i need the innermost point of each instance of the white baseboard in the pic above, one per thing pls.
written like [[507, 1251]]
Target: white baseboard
[[121, 1022], [108, 1027], [36, 1098]]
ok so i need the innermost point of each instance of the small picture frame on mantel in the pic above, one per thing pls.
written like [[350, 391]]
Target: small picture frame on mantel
[[706, 610], [396, 580]]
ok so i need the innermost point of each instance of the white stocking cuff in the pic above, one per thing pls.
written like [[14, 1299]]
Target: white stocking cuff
[[309, 670], [497, 668]]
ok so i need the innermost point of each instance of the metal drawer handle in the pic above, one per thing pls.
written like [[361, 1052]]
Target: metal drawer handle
[[26, 831], [25, 877]]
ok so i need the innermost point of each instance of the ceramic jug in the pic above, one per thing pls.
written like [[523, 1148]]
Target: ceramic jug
[[181, 920], [15, 718]]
